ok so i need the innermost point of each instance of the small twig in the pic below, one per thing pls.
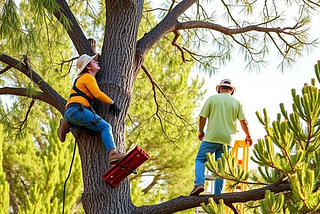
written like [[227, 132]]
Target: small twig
[[27, 114], [174, 43], [5, 69], [235, 211], [155, 98], [174, 108]]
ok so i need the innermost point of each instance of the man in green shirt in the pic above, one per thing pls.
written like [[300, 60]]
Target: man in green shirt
[[221, 111]]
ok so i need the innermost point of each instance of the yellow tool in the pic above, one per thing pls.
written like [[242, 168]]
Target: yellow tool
[[242, 160]]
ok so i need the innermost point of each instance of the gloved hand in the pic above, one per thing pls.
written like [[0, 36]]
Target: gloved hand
[[115, 108]]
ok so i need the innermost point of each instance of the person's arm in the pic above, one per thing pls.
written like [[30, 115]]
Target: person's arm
[[95, 90], [245, 128], [97, 93], [93, 44], [202, 123]]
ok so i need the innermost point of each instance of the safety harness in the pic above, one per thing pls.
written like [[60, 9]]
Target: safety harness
[[82, 94]]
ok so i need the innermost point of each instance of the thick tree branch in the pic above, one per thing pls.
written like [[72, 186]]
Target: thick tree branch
[[49, 94], [188, 202], [75, 32], [167, 25], [5, 69], [230, 31], [24, 93]]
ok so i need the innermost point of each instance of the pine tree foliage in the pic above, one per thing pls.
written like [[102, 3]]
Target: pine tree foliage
[[4, 185], [38, 42], [273, 203], [35, 162], [289, 152], [212, 207], [37, 172]]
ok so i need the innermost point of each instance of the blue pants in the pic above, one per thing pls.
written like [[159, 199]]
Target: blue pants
[[207, 147], [84, 117]]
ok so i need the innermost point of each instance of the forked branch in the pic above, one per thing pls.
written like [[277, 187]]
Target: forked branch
[[174, 108], [47, 93]]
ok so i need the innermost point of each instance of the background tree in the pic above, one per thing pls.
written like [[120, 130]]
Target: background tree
[[122, 56], [34, 161], [4, 187], [168, 165]]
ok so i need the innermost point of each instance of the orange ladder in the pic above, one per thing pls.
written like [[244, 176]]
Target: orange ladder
[[243, 162]]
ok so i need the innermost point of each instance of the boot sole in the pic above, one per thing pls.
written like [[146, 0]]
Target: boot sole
[[197, 191], [115, 161]]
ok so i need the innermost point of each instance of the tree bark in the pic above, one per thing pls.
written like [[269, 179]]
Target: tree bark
[[116, 78], [187, 202]]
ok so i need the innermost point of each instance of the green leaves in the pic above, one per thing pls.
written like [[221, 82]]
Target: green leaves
[[4, 185], [268, 174], [10, 24], [227, 168], [273, 203], [212, 207], [290, 151], [303, 184], [37, 173]]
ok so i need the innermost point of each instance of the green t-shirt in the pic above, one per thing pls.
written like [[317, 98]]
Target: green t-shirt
[[221, 111]]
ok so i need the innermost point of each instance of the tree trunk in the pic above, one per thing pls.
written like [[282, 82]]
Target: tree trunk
[[116, 78]]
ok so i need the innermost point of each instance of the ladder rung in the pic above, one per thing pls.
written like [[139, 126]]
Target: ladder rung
[[239, 187], [206, 193], [209, 177]]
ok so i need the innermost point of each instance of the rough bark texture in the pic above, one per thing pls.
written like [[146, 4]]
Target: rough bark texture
[[187, 202], [47, 93], [116, 79]]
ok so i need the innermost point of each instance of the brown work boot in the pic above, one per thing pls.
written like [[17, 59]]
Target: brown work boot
[[63, 129], [115, 157], [199, 188]]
